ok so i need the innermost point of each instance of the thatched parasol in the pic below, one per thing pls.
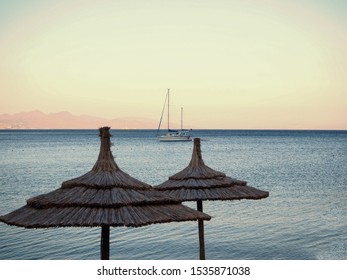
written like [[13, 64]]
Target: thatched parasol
[[105, 196], [198, 182]]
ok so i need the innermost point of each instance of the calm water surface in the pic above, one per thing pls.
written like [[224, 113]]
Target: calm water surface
[[304, 171]]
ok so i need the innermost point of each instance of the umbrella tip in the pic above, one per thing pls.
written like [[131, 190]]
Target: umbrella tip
[[197, 144], [104, 132], [196, 141], [197, 148]]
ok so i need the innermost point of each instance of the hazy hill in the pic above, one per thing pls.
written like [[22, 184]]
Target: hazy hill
[[66, 120]]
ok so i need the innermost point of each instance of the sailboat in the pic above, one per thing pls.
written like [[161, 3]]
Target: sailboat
[[173, 135]]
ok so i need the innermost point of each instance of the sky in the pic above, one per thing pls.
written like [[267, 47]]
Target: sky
[[234, 64]]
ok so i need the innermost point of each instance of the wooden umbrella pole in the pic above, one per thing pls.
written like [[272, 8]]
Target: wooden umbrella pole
[[201, 233], [105, 242]]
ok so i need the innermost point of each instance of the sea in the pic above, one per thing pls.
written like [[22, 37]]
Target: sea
[[304, 217]]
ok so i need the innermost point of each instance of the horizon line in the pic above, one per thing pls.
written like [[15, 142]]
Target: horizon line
[[154, 129]]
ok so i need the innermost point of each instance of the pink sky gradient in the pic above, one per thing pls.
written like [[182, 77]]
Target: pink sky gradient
[[230, 64]]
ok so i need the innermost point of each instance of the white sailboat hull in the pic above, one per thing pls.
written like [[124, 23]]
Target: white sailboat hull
[[174, 138]]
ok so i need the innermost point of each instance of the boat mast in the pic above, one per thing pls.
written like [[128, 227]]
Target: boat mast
[[168, 109], [181, 118], [162, 114]]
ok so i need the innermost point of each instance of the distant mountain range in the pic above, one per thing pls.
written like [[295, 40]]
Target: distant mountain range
[[66, 120]]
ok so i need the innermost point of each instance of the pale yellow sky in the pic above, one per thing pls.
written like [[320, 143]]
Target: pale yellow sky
[[230, 64]]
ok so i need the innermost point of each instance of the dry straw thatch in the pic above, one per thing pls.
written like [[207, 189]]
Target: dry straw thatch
[[198, 182], [105, 196]]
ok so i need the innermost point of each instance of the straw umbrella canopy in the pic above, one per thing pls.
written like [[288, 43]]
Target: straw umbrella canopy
[[198, 182], [105, 196]]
